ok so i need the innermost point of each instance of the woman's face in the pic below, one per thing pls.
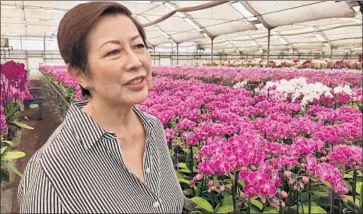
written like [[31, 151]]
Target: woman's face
[[118, 61]]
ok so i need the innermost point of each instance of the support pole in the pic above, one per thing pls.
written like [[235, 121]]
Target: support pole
[[177, 53], [154, 55], [331, 52], [44, 48], [212, 52], [268, 46]]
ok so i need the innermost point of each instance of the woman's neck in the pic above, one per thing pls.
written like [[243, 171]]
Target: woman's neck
[[114, 118]]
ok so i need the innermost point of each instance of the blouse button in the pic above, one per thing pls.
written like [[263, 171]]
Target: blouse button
[[156, 204], [148, 170]]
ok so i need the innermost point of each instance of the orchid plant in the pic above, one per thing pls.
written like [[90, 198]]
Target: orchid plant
[[14, 83], [240, 149], [296, 63]]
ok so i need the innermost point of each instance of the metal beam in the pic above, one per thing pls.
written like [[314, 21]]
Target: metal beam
[[166, 35], [258, 16], [255, 41], [172, 6], [21, 43], [154, 55], [211, 51], [177, 53], [44, 42], [259, 36], [268, 45], [24, 17], [186, 9]]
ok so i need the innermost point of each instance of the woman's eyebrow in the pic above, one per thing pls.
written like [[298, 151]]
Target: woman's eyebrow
[[110, 41], [118, 42]]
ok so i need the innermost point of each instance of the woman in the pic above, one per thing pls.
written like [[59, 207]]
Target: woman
[[107, 156]]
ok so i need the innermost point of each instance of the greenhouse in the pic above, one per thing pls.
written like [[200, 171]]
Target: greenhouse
[[181, 107]]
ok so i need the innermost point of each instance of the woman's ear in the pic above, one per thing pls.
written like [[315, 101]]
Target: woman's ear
[[78, 75]]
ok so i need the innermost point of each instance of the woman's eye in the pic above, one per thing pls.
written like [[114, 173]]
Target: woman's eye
[[113, 52], [140, 46]]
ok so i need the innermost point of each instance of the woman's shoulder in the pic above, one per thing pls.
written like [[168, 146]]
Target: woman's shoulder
[[52, 148]]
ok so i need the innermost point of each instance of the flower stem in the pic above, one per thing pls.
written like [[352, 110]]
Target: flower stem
[[309, 192], [354, 187]]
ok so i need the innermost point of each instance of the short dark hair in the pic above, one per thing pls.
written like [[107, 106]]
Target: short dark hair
[[76, 24]]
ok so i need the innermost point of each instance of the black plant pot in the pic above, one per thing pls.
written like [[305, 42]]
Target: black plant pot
[[179, 158]]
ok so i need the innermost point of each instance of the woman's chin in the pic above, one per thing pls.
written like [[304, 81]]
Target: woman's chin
[[137, 98]]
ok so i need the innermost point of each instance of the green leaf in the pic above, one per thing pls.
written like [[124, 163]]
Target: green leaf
[[228, 186], [187, 151], [216, 181], [22, 125], [11, 168], [358, 187], [349, 197], [348, 176], [327, 184], [189, 205], [196, 190], [179, 175], [202, 203], [173, 123], [254, 210], [257, 203], [11, 155], [225, 209], [8, 142], [321, 194], [231, 176], [3, 149], [182, 165], [195, 149], [188, 191], [359, 173], [184, 170], [172, 152], [178, 139], [270, 210], [314, 209], [347, 185], [227, 200], [183, 181]]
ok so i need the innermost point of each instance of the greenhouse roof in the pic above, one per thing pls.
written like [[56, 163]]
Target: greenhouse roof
[[234, 26]]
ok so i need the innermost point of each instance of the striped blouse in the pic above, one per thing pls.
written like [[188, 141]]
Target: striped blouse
[[80, 170]]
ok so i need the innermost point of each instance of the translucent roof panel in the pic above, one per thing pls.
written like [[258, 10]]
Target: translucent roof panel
[[61, 5], [241, 25], [278, 13], [231, 27], [348, 42], [140, 7], [174, 25], [218, 20], [343, 33], [304, 38], [186, 36]]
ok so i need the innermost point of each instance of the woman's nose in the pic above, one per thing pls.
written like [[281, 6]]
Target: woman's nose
[[132, 61]]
